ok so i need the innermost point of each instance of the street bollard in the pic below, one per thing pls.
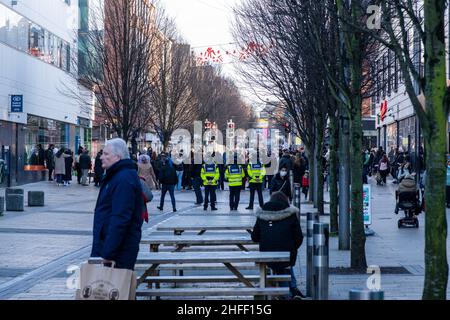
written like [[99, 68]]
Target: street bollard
[[364, 294], [321, 261], [311, 218], [297, 198]]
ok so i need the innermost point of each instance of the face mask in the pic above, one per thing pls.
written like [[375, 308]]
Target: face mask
[[283, 173]]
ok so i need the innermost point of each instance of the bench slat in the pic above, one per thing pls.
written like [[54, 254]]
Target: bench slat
[[213, 266], [211, 257], [196, 240], [210, 279], [211, 292]]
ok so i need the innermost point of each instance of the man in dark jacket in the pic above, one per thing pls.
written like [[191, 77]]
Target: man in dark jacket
[[168, 178], [85, 165], [277, 228], [118, 217]]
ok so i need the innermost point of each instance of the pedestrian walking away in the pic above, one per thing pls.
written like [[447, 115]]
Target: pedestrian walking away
[[118, 217], [305, 184], [85, 165], [168, 178], [145, 171]]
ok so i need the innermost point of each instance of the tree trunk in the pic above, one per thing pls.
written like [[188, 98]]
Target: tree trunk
[[312, 163], [344, 181], [334, 140], [319, 167], [435, 131], [358, 237]]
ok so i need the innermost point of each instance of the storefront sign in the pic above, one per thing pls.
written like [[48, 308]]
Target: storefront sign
[[16, 103]]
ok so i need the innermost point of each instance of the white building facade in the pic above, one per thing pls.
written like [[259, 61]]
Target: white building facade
[[401, 128], [40, 98]]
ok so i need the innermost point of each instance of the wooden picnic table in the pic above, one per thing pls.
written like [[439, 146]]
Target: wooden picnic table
[[155, 259], [179, 224], [182, 241]]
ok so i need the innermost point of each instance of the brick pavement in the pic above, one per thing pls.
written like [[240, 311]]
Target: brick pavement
[[39, 244]]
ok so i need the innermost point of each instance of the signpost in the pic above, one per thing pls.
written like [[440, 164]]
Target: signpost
[[17, 103], [367, 207]]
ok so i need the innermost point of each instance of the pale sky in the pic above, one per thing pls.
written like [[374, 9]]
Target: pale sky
[[207, 23]]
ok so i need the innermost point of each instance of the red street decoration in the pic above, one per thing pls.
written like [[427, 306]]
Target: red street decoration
[[383, 110], [216, 56]]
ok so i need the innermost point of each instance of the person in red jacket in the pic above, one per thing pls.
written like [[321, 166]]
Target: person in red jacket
[[305, 184]]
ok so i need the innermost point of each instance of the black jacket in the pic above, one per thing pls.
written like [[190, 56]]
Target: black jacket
[[98, 166], [280, 184], [50, 159], [277, 228], [85, 161], [196, 170], [168, 174], [285, 161]]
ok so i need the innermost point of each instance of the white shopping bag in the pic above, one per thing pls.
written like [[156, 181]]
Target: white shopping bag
[[98, 282]]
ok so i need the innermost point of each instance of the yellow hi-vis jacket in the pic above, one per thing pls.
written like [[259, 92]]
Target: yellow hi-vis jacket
[[210, 174], [256, 172], [234, 174]]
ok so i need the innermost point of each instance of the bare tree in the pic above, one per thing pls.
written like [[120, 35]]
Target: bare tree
[[415, 32], [172, 99], [117, 61]]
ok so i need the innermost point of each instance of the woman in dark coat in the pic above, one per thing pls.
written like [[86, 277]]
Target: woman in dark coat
[[277, 228], [68, 163]]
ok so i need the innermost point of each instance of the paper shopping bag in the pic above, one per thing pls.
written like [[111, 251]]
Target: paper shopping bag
[[104, 283]]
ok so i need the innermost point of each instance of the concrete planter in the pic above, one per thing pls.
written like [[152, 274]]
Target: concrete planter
[[14, 202], [35, 198]]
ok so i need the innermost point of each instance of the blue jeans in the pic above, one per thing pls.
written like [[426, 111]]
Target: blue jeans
[[196, 183], [282, 271], [171, 189], [180, 179]]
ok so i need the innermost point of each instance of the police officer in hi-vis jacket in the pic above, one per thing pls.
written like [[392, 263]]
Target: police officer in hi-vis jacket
[[256, 173], [234, 174], [210, 175]]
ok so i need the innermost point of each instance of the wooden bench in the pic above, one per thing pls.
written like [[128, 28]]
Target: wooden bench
[[228, 259], [182, 241], [179, 224], [212, 279], [212, 292]]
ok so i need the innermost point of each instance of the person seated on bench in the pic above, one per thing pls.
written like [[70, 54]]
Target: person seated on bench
[[277, 228], [407, 192]]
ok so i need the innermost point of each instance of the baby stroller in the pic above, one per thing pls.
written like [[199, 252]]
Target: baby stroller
[[410, 204]]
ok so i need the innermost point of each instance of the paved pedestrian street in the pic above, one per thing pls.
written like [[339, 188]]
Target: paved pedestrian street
[[38, 246]]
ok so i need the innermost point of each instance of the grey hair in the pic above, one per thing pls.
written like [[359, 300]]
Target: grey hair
[[119, 148]]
